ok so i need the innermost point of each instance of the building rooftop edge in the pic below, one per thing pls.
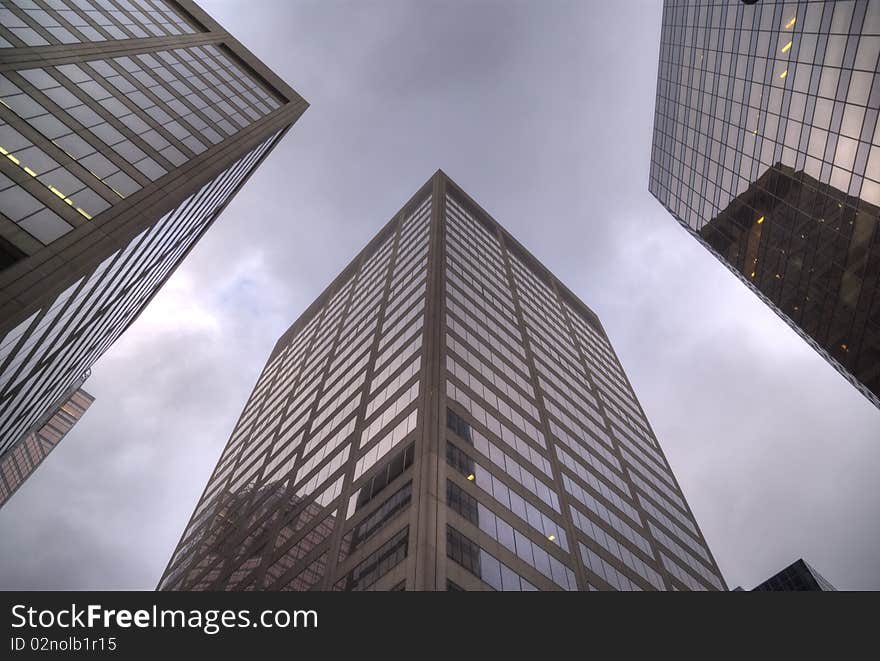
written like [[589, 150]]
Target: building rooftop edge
[[439, 175]]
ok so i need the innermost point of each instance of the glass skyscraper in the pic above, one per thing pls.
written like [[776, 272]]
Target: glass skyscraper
[[767, 150], [798, 576], [446, 415], [126, 126]]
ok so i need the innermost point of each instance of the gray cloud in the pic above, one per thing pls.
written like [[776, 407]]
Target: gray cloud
[[543, 113]]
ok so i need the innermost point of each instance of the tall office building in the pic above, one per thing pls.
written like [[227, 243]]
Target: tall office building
[[767, 150], [17, 465], [446, 415], [126, 126], [799, 576]]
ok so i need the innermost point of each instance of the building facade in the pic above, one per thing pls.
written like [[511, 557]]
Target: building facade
[[445, 416], [17, 465], [799, 576], [126, 126], [767, 150]]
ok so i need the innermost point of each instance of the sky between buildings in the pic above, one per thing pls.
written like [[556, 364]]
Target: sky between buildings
[[543, 112]]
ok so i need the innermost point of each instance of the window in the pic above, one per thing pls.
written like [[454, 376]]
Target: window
[[377, 564], [372, 487], [457, 424]]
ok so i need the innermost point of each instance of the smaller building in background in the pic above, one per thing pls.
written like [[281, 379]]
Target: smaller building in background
[[797, 576], [17, 465]]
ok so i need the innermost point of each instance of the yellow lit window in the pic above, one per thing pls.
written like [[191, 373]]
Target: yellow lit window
[[786, 47]]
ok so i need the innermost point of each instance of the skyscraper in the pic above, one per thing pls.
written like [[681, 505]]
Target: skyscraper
[[17, 465], [125, 128], [767, 150], [446, 415], [797, 577]]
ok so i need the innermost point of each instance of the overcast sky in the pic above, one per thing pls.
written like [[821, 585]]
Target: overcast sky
[[541, 111]]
